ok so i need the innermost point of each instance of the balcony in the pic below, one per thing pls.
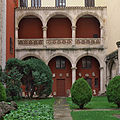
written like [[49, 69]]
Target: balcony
[[59, 43]]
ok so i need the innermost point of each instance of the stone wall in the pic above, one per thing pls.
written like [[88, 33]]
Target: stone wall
[[0, 31]]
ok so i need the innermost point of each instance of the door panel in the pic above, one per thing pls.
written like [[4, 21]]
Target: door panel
[[61, 87]]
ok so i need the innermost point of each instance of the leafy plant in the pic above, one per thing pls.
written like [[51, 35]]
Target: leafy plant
[[2, 93], [31, 111], [81, 92], [13, 84], [113, 91]]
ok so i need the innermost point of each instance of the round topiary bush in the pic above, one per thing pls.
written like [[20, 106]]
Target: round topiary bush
[[2, 93], [113, 91], [81, 92]]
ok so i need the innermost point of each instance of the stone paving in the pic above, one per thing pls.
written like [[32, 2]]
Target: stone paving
[[61, 109]]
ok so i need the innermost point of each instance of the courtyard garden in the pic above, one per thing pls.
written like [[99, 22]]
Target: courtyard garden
[[86, 107], [97, 109]]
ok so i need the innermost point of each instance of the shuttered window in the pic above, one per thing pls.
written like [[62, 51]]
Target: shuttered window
[[89, 3], [23, 3], [60, 3], [36, 3]]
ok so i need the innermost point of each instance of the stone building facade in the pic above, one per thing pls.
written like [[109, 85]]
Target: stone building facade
[[0, 31], [71, 40]]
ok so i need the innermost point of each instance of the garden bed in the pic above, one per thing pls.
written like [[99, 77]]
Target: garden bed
[[32, 110]]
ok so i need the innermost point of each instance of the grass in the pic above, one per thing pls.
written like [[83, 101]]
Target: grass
[[49, 101], [95, 115], [99, 102], [32, 110]]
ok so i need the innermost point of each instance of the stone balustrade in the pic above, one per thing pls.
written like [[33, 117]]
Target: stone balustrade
[[58, 43], [88, 41]]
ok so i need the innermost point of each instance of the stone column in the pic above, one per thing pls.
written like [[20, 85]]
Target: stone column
[[16, 32], [101, 80], [73, 74], [44, 35], [118, 45], [73, 35], [101, 34]]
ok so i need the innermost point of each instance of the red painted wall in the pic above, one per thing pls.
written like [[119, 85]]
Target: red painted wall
[[11, 4], [95, 68], [68, 80], [86, 27], [59, 28], [30, 28]]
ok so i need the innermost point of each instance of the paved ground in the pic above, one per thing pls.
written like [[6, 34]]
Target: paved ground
[[61, 109]]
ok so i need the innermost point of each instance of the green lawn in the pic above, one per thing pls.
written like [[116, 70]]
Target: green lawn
[[32, 110], [95, 115], [96, 103], [99, 102]]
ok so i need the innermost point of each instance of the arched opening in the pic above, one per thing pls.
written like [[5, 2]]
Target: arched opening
[[30, 27], [88, 26], [62, 75], [112, 69], [88, 67], [29, 57], [59, 26]]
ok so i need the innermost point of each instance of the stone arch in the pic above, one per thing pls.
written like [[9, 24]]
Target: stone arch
[[31, 55], [92, 14], [58, 13], [28, 14], [90, 54], [112, 68], [60, 54]]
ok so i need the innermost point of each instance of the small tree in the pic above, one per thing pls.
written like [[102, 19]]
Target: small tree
[[113, 91], [2, 93], [13, 84], [36, 75], [81, 92]]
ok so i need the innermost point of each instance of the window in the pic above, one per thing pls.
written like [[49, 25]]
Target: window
[[60, 63], [11, 44], [89, 3], [89, 80], [60, 3], [35, 3], [23, 3], [86, 62], [96, 82]]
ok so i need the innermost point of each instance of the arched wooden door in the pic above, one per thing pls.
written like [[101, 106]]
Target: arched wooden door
[[62, 76], [88, 67]]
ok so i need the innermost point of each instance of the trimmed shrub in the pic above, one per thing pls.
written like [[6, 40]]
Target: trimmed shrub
[[36, 75], [2, 93], [81, 92], [113, 91]]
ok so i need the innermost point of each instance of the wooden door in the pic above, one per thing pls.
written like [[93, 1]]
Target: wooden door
[[61, 87]]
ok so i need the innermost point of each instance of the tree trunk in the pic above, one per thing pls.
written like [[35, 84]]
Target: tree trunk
[[118, 104], [81, 107]]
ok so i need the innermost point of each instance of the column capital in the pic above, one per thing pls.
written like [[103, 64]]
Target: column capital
[[73, 27], [73, 68], [101, 27], [44, 28], [118, 44], [17, 28]]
